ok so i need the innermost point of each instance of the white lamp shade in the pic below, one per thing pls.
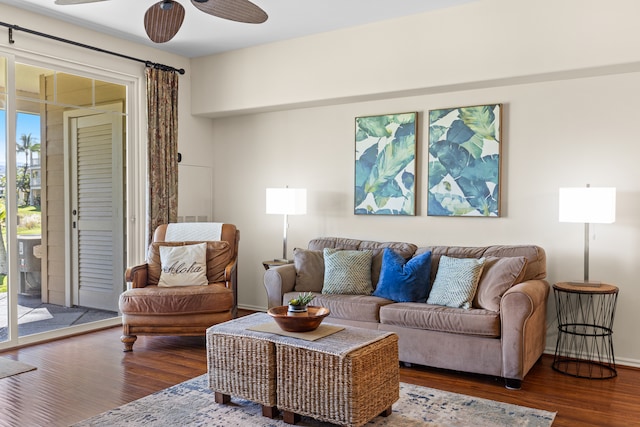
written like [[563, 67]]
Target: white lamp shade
[[287, 201], [594, 205]]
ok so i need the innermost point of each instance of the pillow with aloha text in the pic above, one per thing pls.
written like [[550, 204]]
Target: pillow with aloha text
[[183, 265], [219, 256]]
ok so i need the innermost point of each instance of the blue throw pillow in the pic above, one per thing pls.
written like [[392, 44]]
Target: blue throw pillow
[[402, 280]]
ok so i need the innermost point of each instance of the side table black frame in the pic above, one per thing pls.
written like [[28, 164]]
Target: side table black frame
[[275, 263], [585, 330]]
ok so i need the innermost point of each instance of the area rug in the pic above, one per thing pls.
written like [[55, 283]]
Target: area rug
[[10, 367], [191, 403]]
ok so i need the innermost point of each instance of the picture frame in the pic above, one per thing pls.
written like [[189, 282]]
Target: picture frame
[[385, 164], [464, 160]]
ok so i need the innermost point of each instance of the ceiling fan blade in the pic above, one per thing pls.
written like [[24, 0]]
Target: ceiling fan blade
[[233, 10], [68, 2], [163, 20]]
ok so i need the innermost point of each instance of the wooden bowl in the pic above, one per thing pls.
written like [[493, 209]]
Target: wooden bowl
[[298, 322]]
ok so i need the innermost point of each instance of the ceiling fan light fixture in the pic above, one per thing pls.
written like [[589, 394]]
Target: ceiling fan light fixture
[[162, 23], [167, 5], [163, 19], [233, 10], [72, 2]]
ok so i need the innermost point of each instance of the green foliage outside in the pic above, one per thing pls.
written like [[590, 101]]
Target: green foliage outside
[[29, 217], [29, 223]]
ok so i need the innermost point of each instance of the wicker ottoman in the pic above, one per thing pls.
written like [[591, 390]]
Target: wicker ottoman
[[347, 378], [347, 389], [241, 365]]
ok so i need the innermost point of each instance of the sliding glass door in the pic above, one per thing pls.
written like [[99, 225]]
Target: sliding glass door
[[62, 189], [4, 266]]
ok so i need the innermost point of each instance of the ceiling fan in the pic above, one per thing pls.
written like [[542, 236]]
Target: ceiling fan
[[163, 20]]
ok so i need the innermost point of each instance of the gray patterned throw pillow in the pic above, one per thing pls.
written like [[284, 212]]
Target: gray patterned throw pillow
[[456, 281], [347, 272]]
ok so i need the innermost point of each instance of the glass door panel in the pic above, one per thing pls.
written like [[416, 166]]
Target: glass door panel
[[4, 294], [37, 196]]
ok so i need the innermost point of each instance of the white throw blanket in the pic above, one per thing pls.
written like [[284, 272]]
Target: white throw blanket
[[193, 231]]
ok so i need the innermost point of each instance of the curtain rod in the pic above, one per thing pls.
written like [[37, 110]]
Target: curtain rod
[[97, 49]]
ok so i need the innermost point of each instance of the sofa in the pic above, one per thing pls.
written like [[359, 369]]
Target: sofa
[[501, 332]]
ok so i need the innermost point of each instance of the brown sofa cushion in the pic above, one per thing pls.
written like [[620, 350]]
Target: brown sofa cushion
[[363, 308], [309, 267], [333, 242], [498, 276], [417, 315], [536, 258], [183, 300], [218, 256]]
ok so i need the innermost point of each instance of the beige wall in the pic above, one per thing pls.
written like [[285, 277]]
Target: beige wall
[[565, 71], [480, 44]]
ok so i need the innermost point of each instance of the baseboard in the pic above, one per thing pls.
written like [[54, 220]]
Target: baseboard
[[623, 361]]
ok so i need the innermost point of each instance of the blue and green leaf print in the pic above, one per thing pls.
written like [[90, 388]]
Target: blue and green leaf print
[[385, 164], [464, 161]]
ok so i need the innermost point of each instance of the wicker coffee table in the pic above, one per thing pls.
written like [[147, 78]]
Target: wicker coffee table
[[346, 378]]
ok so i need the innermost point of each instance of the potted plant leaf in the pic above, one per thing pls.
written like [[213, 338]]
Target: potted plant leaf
[[299, 303]]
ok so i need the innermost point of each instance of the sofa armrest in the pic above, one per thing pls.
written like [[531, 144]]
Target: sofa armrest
[[137, 275], [277, 282], [523, 319]]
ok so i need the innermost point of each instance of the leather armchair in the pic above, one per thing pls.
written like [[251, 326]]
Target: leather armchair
[[148, 309]]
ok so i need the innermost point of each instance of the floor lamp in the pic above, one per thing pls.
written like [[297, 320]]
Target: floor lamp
[[588, 205], [286, 201]]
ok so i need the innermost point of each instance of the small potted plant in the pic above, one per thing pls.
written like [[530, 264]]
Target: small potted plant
[[299, 303]]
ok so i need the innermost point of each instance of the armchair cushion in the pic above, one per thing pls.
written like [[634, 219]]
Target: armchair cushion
[[183, 265], [218, 256], [179, 300]]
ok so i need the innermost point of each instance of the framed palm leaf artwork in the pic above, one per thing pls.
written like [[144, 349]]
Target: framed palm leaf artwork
[[464, 161], [385, 164]]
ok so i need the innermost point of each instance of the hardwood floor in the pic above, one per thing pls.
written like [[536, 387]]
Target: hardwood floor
[[82, 376]]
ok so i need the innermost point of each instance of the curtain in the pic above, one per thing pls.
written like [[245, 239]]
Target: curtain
[[162, 116]]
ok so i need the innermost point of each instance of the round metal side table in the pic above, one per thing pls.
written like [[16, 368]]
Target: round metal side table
[[585, 330]]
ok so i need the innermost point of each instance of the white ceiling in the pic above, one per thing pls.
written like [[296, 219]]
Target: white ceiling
[[203, 34]]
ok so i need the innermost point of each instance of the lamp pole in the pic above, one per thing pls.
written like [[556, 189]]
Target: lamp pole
[[586, 250], [284, 240]]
